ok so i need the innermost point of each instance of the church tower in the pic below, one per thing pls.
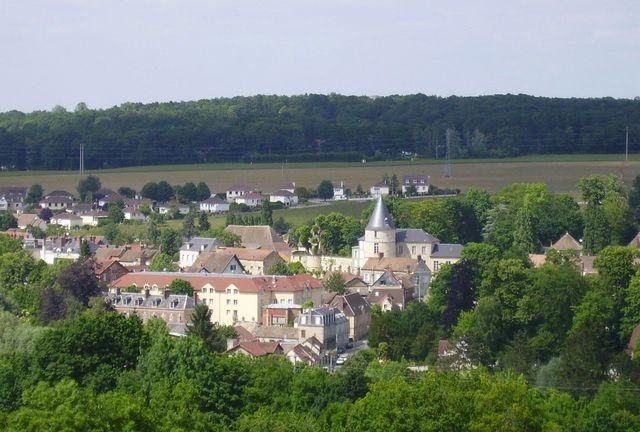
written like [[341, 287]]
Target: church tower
[[380, 234]]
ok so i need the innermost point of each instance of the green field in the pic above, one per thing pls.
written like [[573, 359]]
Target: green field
[[560, 173]]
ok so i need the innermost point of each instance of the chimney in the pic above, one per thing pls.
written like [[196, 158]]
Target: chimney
[[380, 255], [419, 258], [167, 292]]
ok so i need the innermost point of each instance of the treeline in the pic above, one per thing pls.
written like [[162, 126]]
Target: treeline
[[103, 371], [314, 128]]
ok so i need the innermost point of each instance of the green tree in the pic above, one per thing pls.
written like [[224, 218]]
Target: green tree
[[116, 212], [335, 283], [266, 213], [7, 220], [189, 226], [181, 286], [164, 191], [170, 242], [87, 187], [150, 190], [91, 349], [126, 191], [35, 194], [200, 326], [189, 192], [163, 262], [278, 268], [203, 191], [325, 190], [203, 221]]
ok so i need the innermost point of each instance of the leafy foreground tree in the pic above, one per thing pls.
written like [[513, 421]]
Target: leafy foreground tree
[[88, 186]]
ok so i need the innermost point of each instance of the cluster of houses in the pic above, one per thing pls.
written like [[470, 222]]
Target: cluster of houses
[[292, 315]]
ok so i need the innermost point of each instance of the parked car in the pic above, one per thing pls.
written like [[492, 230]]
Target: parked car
[[341, 360]]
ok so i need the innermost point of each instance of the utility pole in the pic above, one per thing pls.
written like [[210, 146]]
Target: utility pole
[[626, 147], [447, 165], [81, 159]]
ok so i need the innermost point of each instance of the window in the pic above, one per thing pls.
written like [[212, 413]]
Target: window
[[376, 248], [235, 302], [413, 250], [232, 267], [228, 312], [235, 291], [228, 290], [424, 250], [436, 265], [228, 301], [210, 301], [303, 333]]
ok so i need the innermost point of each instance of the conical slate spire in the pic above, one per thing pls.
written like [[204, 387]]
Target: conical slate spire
[[380, 218]]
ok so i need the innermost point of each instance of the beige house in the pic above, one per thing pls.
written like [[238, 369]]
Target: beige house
[[358, 312], [232, 298], [254, 261], [327, 324]]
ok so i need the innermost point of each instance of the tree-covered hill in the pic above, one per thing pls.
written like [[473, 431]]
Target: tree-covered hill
[[314, 128]]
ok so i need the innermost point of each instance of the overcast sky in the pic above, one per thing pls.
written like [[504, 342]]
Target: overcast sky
[[107, 52]]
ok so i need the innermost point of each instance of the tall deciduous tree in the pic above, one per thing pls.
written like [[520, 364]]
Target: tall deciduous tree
[[325, 190], [335, 283], [88, 186]]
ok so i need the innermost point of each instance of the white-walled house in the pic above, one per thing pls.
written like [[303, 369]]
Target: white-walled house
[[236, 191], [250, 199], [214, 205], [287, 198], [420, 182], [379, 189]]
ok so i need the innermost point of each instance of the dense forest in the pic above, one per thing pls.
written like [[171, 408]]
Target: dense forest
[[314, 127]]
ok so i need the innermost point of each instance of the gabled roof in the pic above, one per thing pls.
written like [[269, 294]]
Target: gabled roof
[[283, 193], [101, 267], [257, 236], [635, 242], [202, 244], [380, 218], [352, 304], [567, 242], [251, 196], [245, 254], [216, 262], [414, 179], [387, 279], [257, 348]]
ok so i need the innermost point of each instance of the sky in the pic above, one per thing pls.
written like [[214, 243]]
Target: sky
[[108, 52]]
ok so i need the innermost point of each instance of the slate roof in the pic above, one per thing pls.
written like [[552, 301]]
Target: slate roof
[[203, 244], [152, 301], [380, 217], [414, 235], [446, 250]]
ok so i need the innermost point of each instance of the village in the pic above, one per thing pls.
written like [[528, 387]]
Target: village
[[300, 316]]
